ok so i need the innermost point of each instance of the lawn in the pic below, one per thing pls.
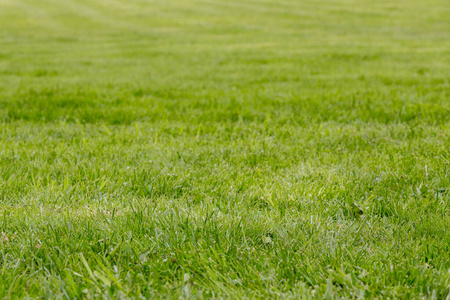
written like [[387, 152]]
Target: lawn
[[224, 149]]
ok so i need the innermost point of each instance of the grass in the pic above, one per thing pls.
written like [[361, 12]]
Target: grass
[[224, 149]]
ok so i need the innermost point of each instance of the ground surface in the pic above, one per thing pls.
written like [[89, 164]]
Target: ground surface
[[235, 148]]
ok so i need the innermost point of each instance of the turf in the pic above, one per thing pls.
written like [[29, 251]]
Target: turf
[[224, 149]]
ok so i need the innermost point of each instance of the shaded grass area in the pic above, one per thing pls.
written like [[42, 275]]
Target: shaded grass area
[[424, 106], [217, 149]]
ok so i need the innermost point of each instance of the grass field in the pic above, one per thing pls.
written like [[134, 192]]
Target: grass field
[[224, 149]]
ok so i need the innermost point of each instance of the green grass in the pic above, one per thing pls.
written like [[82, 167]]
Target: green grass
[[224, 149]]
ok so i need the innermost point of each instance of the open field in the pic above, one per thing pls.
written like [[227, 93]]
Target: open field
[[226, 148]]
